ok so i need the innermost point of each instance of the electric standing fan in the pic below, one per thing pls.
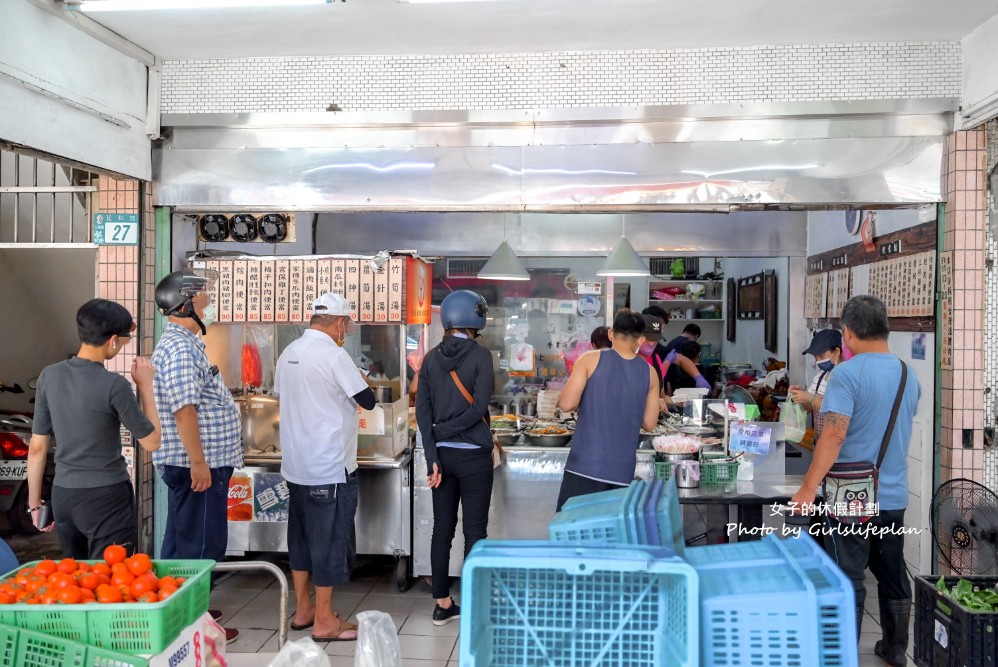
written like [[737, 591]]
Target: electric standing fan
[[964, 517]]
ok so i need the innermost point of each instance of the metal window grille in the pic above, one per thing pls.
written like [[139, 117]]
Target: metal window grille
[[44, 201]]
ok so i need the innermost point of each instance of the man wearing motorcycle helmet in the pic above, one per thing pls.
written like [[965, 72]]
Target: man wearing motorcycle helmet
[[452, 411], [202, 430]]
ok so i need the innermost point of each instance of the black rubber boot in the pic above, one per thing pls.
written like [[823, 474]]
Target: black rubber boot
[[894, 617]]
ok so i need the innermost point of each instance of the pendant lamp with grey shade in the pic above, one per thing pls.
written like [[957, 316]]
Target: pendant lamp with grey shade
[[623, 261], [504, 264]]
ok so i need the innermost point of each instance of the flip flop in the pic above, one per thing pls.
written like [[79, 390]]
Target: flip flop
[[303, 626], [344, 635]]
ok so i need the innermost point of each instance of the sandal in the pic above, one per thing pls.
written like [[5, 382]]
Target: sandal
[[303, 626], [345, 634]]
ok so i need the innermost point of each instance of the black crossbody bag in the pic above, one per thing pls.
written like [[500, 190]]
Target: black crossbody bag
[[850, 489]]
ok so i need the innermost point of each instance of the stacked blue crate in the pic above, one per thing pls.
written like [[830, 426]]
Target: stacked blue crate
[[538, 603]]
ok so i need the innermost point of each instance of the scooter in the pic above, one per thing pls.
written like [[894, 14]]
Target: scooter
[[15, 434]]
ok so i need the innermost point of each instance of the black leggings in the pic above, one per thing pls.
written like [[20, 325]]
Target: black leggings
[[467, 480]]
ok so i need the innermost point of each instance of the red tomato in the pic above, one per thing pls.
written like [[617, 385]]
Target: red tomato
[[70, 595], [115, 554], [45, 568], [139, 564]]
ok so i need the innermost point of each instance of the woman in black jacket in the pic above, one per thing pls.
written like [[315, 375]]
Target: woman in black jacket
[[452, 412]]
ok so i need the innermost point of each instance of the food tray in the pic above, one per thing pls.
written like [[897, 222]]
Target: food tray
[[946, 633], [774, 602], [536, 603], [133, 628], [27, 648]]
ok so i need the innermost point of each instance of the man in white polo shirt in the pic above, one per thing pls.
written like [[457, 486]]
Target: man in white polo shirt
[[320, 389]]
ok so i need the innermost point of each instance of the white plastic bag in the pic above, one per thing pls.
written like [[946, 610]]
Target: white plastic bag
[[377, 641], [794, 419], [301, 653]]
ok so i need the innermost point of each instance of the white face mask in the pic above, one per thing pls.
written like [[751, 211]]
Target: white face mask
[[209, 314]]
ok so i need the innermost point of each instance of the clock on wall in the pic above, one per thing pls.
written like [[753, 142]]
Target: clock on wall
[[853, 219]]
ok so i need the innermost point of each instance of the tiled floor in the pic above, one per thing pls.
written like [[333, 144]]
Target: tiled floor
[[250, 603]]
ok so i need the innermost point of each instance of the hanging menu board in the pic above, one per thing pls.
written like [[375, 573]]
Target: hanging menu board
[[212, 265], [381, 295], [311, 286], [283, 290], [253, 291], [268, 284], [366, 292], [396, 275], [281, 304], [225, 275], [239, 291], [946, 295], [324, 280], [296, 306], [901, 273], [352, 293], [815, 295]]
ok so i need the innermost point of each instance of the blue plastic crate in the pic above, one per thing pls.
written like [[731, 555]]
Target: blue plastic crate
[[633, 511], [537, 603], [651, 512], [602, 520], [774, 603], [670, 518]]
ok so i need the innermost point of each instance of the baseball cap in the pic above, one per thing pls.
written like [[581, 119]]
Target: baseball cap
[[823, 341], [331, 303], [653, 327]]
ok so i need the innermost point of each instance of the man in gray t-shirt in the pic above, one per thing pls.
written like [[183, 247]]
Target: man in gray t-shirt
[[84, 405]]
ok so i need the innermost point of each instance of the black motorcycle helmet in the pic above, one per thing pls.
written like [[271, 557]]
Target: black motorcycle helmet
[[175, 293]]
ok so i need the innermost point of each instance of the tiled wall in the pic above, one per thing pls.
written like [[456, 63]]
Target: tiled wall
[[991, 318], [126, 276], [963, 386], [800, 72]]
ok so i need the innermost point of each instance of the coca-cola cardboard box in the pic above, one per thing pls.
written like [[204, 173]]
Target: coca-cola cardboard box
[[241, 496]]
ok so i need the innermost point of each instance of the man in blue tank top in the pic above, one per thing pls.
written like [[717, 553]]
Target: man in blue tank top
[[616, 394]]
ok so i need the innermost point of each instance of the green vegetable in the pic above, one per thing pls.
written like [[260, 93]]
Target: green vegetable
[[970, 596]]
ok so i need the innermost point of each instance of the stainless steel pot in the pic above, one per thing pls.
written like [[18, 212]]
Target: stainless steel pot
[[544, 440], [261, 417], [506, 437]]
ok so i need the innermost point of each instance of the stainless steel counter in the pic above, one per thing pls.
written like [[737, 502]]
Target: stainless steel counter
[[524, 495], [383, 520], [525, 492]]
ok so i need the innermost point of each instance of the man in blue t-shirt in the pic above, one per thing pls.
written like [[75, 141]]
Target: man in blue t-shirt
[[857, 408]]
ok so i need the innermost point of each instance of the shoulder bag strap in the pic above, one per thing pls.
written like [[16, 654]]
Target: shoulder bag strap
[[467, 397], [894, 415]]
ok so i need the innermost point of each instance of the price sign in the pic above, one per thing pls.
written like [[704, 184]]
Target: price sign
[[751, 439], [116, 228]]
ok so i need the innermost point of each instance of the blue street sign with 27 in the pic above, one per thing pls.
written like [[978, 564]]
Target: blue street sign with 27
[[116, 229]]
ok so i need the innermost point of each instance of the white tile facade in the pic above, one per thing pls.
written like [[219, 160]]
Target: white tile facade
[[801, 72]]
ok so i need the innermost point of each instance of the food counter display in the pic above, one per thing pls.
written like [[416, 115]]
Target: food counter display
[[391, 303], [526, 485]]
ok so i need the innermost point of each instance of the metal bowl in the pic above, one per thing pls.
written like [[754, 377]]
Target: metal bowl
[[543, 440], [739, 374], [506, 437], [673, 458]]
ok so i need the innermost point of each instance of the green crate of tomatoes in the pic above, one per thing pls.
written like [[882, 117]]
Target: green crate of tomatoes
[[66, 603]]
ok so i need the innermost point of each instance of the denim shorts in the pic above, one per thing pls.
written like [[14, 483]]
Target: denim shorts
[[321, 537]]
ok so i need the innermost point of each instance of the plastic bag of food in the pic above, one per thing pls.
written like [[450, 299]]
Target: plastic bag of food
[[794, 419], [301, 653], [258, 357], [377, 641]]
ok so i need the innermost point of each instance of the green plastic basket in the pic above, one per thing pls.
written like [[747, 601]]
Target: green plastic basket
[[663, 469], [27, 648], [134, 628], [715, 472]]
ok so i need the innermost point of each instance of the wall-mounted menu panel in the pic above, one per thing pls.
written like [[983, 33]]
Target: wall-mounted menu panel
[[282, 290]]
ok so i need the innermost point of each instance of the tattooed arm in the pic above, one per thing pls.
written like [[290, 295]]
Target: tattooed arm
[[826, 451]]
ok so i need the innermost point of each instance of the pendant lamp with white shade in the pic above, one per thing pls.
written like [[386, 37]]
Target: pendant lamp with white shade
[[504, 264], [623, 261]]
